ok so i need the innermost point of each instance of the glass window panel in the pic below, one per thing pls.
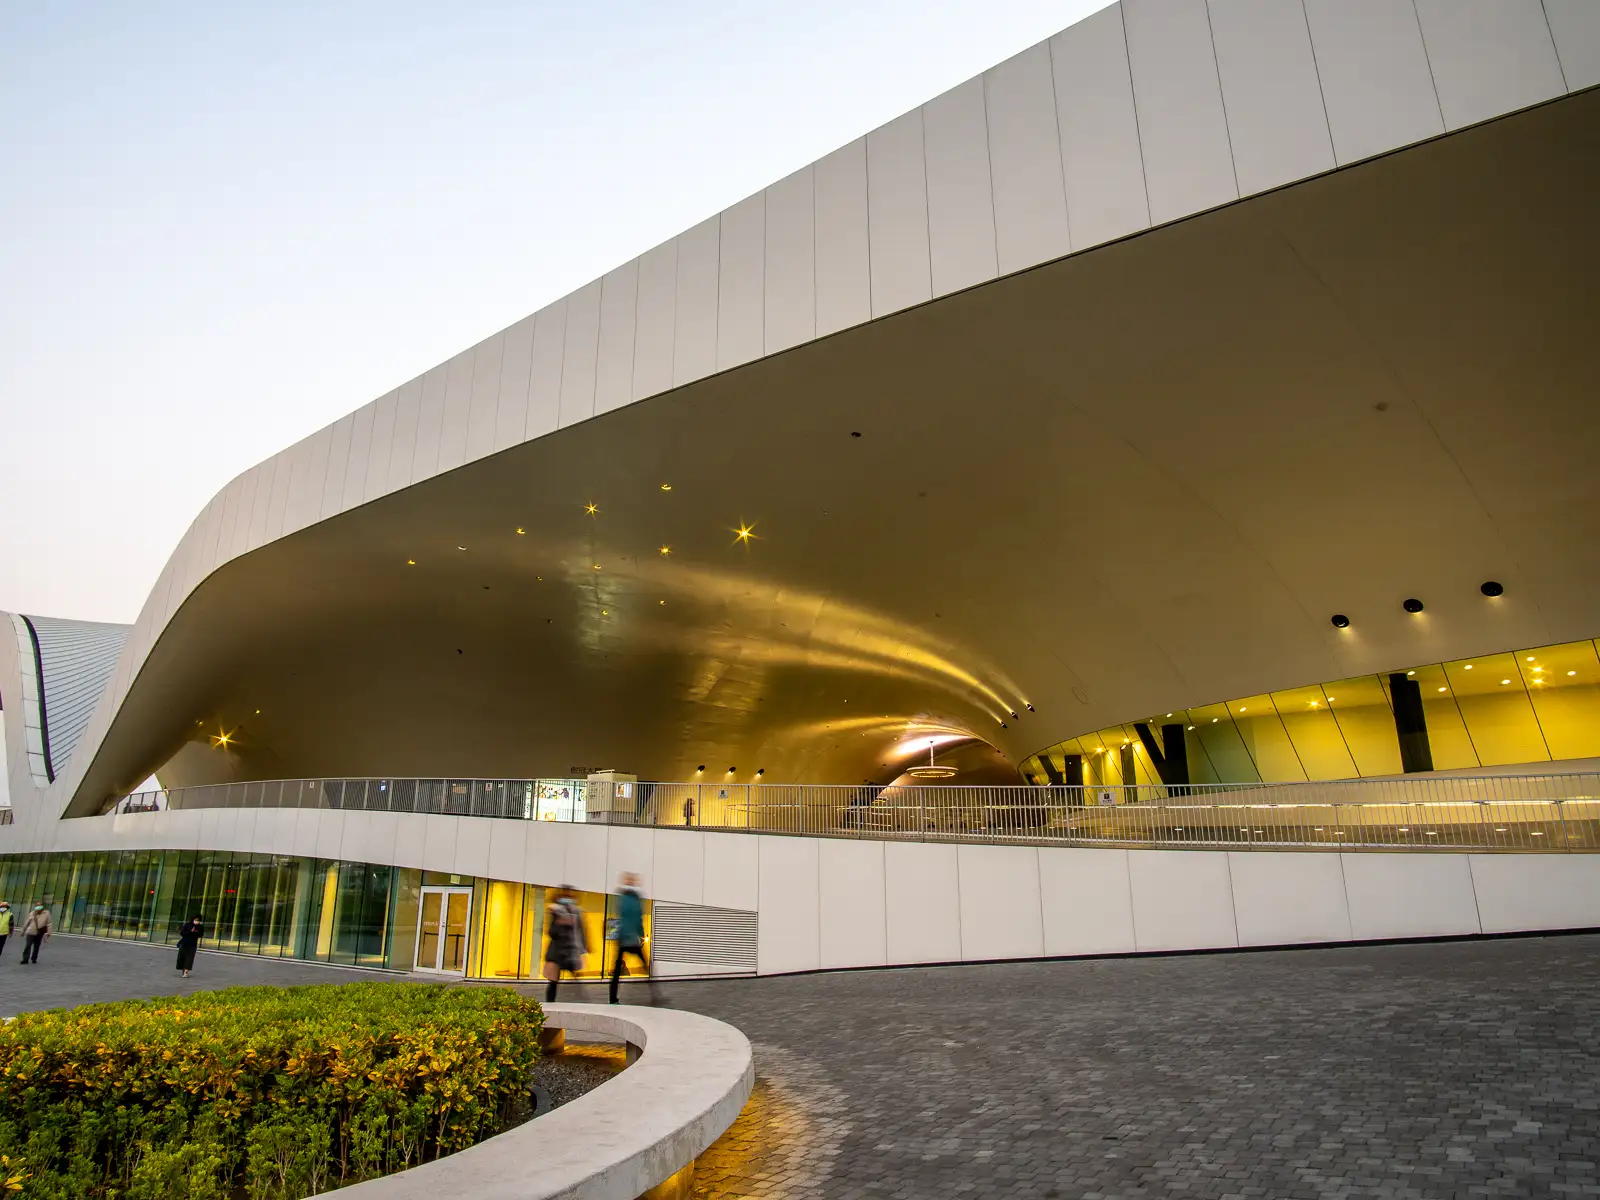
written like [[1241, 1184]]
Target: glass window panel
[[1314, 732], [1448, 738], [1495, 708], [1361, 707], [501, 937], [1220, 741], [1567, 703], [1265, 739]]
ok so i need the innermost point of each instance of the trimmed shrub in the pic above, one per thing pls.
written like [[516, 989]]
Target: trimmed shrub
[[257, 1092]]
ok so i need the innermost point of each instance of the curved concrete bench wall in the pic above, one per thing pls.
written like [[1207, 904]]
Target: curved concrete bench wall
[[618, 1141]]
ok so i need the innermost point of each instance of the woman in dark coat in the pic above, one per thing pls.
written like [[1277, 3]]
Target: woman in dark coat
[[564, 920], [188, 943]]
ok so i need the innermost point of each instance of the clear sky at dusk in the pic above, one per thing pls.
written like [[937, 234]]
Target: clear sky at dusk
[[225, 226]]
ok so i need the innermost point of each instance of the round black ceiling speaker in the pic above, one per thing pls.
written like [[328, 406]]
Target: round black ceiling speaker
[[1493, 589], [1340, 621], [1413, 605]]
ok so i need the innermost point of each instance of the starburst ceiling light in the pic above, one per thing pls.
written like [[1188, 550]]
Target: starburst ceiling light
[[744, 533], [931, 769], [591, 509]]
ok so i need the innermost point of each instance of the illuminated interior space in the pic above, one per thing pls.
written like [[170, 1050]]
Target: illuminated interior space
[[344, 913], [1530, 706]]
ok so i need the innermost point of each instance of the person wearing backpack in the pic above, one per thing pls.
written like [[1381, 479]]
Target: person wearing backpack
[[565, 950], [630, 935]]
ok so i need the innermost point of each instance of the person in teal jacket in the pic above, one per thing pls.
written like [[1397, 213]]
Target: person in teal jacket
[[630, 935]]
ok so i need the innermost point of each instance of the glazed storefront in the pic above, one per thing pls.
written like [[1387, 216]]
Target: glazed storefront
[[346, 913]]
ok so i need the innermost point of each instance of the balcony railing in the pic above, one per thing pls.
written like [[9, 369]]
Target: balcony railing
[[1553, 812]]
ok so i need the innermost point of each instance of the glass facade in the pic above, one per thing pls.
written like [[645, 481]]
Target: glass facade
[[348, 913], [1524, 706]]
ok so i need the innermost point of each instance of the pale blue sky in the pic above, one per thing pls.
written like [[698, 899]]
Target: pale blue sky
[[224, 226]]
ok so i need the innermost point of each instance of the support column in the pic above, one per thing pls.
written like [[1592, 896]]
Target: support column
[[1410, 724]]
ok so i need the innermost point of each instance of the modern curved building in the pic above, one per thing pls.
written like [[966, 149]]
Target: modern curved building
[[1204, 396]]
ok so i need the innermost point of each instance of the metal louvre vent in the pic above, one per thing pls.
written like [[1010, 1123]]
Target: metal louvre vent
[[694, 933]]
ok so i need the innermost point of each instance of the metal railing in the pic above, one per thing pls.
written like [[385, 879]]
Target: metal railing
[[1554, 813]]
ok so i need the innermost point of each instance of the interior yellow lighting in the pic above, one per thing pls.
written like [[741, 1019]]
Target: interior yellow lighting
[[411, 562], [460, 547], [258, 712], [605, 612], [520, 530], [1441, 689], [744, 533], [666, 550], [222, 739], [596, 566], [1331, 699], [666, 487], [1571, 672], [1468, 667], [591, 509], [1214, 720], [1410, 672], [1537, 669], [660, 601], [1242, 708], [1530, 658], [1313, 704]]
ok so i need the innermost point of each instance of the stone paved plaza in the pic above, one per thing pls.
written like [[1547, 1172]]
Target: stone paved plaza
[[1445, 1070]]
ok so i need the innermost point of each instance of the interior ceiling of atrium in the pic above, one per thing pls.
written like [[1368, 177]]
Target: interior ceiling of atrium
[[1136, 479]]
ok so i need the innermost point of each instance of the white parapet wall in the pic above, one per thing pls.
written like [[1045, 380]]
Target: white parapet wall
[[829, 903]]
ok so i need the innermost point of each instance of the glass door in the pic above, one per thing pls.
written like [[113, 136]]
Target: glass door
[[442, 930]]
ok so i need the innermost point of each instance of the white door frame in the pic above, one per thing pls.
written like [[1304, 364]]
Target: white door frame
[[444, 892]]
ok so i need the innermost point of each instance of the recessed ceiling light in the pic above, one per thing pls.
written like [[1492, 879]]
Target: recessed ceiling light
[[1213, 720], [1491, 588], [1503, 682], [591, 509], [1530, 658], [1331, 699], [1538, 669], [1242, 708], [521, 530], [666, 487], [596, 566], [1340, 621], [666, 550], [1191, 727], [744, 533], [460, 547], [605, 612], [1441, 689], [1410, 672], [1571, 672], [1468, 667], [411, 562], [660, 601]]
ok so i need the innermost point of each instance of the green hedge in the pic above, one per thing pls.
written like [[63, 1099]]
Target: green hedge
[[257, 1092]]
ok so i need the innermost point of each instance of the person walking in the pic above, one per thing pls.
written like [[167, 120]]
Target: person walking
[[188, 942], [566, 948], [5, 924], [35, 931], [630, 935]]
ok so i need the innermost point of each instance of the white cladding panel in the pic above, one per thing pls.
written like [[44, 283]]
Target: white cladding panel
[[694, 342], [844, 278], [897, 215], [741, 294], [789, 299], [1101, 158], [655, 323], [378, 452], [482, 411], [1276, 124], [430, 421], [457, 407], [1488, 57], [787, 900], [516, 366], [1376, 85], [1575, 25], [544, 373], [1030, 198], [1188, 165], [613, 370], [403, 449], [961, 239], [579, 356]]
